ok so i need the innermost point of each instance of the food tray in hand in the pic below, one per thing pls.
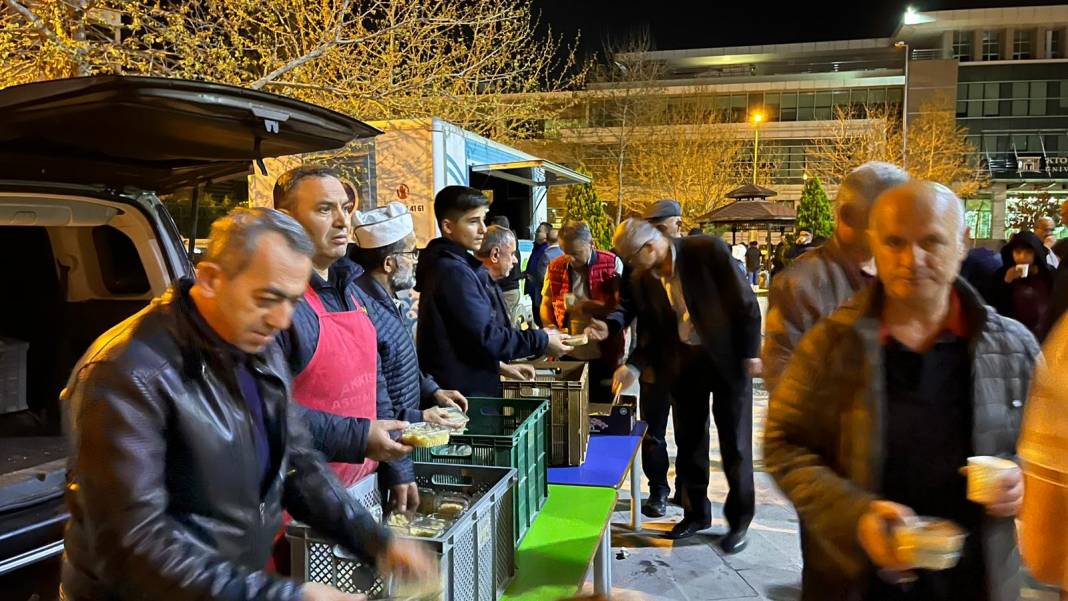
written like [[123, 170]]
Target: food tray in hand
[[423, 435], [504, 433]]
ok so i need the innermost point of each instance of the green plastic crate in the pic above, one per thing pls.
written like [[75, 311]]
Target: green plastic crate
[[504, 433]]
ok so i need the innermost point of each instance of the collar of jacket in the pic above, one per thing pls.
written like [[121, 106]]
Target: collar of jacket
[[446, 246], [864, 312], [342, 273], [376, 292], [198, 342]]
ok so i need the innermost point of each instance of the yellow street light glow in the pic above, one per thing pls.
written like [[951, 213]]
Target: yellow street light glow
[[756, 117]]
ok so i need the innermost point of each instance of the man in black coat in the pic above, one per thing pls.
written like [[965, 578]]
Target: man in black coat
[[464, 333], [184, 444], [698, 333]]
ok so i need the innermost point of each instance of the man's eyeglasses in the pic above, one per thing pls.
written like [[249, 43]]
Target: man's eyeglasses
[[630, 258], [414, 253]]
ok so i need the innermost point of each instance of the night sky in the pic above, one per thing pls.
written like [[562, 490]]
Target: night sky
[[711, 23]]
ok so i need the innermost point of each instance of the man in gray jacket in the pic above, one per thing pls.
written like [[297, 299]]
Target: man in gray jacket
[[883, 403], [823, 278]]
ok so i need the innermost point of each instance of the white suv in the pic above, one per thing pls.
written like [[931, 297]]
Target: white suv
[[85, 242]]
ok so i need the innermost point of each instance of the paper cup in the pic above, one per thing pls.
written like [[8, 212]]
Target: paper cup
[[984, 473], [1023, 270]]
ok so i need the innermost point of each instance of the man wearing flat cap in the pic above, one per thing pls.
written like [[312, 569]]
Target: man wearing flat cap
[[666, 216], [655, 406], [698, 335], [384, 246]]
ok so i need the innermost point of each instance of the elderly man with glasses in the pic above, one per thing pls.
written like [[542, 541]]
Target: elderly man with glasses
[[698, 335]]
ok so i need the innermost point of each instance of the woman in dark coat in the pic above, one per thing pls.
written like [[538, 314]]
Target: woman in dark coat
[[1024, 284]]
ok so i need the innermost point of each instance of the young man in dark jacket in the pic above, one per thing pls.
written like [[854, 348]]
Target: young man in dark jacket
[[384, 246], [462, 336], [883, 403], [184, 450]]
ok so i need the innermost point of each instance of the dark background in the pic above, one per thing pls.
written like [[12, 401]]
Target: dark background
[[675, 24]]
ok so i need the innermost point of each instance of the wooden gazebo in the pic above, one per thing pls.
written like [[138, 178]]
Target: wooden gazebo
[[751, 210]]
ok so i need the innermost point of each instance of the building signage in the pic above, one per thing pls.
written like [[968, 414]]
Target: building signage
[[1029, 167]]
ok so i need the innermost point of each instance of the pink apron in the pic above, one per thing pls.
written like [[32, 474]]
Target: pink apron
[[341, 377]]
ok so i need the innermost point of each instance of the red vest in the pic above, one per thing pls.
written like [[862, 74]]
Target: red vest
[[602, 285]]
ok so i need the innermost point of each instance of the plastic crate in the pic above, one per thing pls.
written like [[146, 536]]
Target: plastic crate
[[565, 384], [504, 433], [477, 553], [13, 375]]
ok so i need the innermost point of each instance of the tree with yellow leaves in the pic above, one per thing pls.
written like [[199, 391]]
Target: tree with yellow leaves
[[475, 63], [937, 150]]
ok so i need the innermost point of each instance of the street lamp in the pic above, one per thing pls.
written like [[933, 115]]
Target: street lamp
[[756, 118], [905, 105]]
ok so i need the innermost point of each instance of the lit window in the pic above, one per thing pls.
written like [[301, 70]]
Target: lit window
[[962, 45], [991, 46], [1021, 45]]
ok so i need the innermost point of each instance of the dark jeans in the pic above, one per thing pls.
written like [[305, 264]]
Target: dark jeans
[[655, 405], [732, 408], [754, 277]]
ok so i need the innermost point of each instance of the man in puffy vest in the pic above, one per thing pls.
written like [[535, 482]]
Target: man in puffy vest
[[581, 284]]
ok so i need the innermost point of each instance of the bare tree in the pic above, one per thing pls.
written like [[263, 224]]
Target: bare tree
[[694, 156], [938, 149], [476, 63], [853, 139], [627, 100]]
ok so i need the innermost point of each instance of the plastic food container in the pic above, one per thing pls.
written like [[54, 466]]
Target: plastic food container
[[452, 505], [930, 543], [428, 500], [427, 527], [578, 340], [425, 435], [457, 418]]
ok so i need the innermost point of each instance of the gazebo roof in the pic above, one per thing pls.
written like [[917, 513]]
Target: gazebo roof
[[751, 191], [752, 211]]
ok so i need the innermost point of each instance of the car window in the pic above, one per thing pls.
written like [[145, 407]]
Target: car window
[[120, 263]]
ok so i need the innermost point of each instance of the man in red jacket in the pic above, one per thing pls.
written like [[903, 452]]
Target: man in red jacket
[[580, 284]]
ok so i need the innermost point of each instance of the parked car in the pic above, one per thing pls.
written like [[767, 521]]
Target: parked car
[[86, 242]]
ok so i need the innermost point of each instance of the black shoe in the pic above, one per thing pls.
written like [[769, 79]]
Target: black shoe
[[735, 541], [655, 506], [686, 529]]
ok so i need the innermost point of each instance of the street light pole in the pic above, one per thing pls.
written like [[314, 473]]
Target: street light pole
[[756, 118], [905, 107]]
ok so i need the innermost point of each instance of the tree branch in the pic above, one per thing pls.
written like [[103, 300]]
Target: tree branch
[[76, 54]]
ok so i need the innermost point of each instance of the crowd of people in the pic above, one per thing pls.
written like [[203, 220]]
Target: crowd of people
[[893, 357]]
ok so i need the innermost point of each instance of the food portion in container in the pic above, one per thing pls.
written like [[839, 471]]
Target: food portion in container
[[454, 450], [427, 527], [452, 505], [428, 500], [399, 518], [929, 543], [425, 435], [577, 340], [457, 418]]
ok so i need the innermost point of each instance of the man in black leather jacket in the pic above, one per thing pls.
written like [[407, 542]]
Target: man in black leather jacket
[[183, 453]]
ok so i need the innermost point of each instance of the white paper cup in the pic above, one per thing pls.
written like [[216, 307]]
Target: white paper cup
[[1023, 270], [984, 474]]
